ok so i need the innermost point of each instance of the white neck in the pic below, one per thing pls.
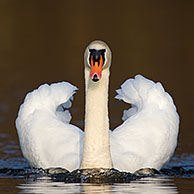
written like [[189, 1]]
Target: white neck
[[96, 152]]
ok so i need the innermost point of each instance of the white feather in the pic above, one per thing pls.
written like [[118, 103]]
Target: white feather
[[148, 137], [46, 137]]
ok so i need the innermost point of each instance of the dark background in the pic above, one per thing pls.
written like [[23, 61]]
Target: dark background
[[44, 41]]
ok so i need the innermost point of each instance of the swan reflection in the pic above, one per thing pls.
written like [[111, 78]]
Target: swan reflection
[[145, 185]]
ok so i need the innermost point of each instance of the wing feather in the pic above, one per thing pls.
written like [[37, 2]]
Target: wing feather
[[148, 136], [47, 139]]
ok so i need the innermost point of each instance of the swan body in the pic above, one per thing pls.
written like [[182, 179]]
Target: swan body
[[146, 139]]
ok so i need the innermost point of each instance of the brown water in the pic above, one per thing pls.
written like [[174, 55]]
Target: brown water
[[44, 41]]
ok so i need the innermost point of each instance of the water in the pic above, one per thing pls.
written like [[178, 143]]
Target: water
[[160, 185], [146, 185], [44, 41]]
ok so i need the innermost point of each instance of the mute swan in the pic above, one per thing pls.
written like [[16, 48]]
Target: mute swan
[[147, 137]]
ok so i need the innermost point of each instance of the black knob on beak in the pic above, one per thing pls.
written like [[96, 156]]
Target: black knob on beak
[[96, 57]]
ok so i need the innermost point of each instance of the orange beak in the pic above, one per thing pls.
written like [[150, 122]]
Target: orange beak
[[96, 69]]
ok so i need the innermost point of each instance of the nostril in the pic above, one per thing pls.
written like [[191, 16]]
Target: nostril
[[95, 78]]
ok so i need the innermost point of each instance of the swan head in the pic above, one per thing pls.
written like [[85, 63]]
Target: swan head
[[97, 57]]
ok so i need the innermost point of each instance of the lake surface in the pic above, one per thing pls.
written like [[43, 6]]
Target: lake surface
[[147, 185], [43, 42]]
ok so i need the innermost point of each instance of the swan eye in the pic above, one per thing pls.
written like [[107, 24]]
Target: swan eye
[[97, 56]]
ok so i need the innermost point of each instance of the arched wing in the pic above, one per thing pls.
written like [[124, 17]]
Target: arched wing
[[47, 139], [148, 135]]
